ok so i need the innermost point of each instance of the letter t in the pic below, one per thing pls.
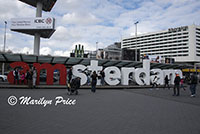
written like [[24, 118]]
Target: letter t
[[94, 66]]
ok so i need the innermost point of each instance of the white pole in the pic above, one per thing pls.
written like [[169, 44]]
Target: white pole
[[136, 40], [96, 49], [37, 35], [4, 47], [39, 9], [96, 46]]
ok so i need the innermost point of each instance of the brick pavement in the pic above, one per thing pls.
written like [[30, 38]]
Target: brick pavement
[[103, 112]]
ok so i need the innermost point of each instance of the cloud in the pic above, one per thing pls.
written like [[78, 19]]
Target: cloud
[[26, 50], [14, 9], [104, 21], [159, 15], [45, 51], [62, 53], [80, 18]]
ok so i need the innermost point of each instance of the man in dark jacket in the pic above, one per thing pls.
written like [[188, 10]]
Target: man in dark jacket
[[193, 83], [16, 75], [177, 85], [29, 78]]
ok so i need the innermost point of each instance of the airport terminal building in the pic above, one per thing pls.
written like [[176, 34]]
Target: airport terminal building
[[182, 43]]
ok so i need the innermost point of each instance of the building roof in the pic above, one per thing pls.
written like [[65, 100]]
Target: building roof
[[47, 4], [70, 61]]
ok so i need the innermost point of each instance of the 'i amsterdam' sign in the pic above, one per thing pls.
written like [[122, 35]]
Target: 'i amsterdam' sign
[[113, 75]]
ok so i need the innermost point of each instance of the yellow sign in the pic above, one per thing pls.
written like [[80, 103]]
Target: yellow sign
[[191, 70]]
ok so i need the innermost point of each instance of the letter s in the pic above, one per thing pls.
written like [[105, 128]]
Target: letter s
[[77, 71]]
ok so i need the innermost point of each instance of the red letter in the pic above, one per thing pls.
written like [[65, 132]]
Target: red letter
[[50, 70], [14, 65]]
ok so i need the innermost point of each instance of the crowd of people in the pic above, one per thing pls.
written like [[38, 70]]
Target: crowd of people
[[28, 78], [179, 84]]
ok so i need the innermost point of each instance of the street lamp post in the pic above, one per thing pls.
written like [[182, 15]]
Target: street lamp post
[[96, 48], [4, 46], [136, 39]]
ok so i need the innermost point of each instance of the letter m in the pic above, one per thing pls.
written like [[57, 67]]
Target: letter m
[[49, 70]]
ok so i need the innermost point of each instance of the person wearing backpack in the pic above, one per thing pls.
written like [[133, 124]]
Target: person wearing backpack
[[193, 83]]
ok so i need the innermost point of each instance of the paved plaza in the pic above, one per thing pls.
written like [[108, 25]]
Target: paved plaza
[[128, 111]]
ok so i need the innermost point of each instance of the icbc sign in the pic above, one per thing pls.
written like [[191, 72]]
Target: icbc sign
[[39, 21]]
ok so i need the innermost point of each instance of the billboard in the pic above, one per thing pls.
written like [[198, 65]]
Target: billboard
[[32, 23], [155, 58]]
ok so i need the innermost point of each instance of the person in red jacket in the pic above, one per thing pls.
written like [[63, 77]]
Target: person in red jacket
[[22, 78]]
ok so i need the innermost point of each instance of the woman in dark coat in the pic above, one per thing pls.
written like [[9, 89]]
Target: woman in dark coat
[[166, 82], [94, 81]]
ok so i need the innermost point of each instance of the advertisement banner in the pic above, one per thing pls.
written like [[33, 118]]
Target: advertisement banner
[[32, 23]]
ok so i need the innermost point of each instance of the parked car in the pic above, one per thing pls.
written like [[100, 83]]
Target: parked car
[[3, 78]]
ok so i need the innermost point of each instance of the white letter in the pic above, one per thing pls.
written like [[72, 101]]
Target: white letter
[[77, 71], [142, 75], [59, 99], [112, 75], [171, 75], [125, 74], [159, 73], [94, 66]]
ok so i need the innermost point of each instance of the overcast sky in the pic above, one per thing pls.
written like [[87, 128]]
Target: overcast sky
[[89, 21]]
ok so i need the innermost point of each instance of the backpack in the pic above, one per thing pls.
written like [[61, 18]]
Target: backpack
[[194, 79]]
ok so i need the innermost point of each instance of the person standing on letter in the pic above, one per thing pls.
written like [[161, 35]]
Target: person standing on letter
[[94, 81]]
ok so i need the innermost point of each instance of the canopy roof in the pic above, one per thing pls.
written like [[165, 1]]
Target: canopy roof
[[70, 61], [47, 4], [44, 33]]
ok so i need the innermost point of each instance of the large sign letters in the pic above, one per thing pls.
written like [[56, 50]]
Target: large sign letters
[[113, 75]]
